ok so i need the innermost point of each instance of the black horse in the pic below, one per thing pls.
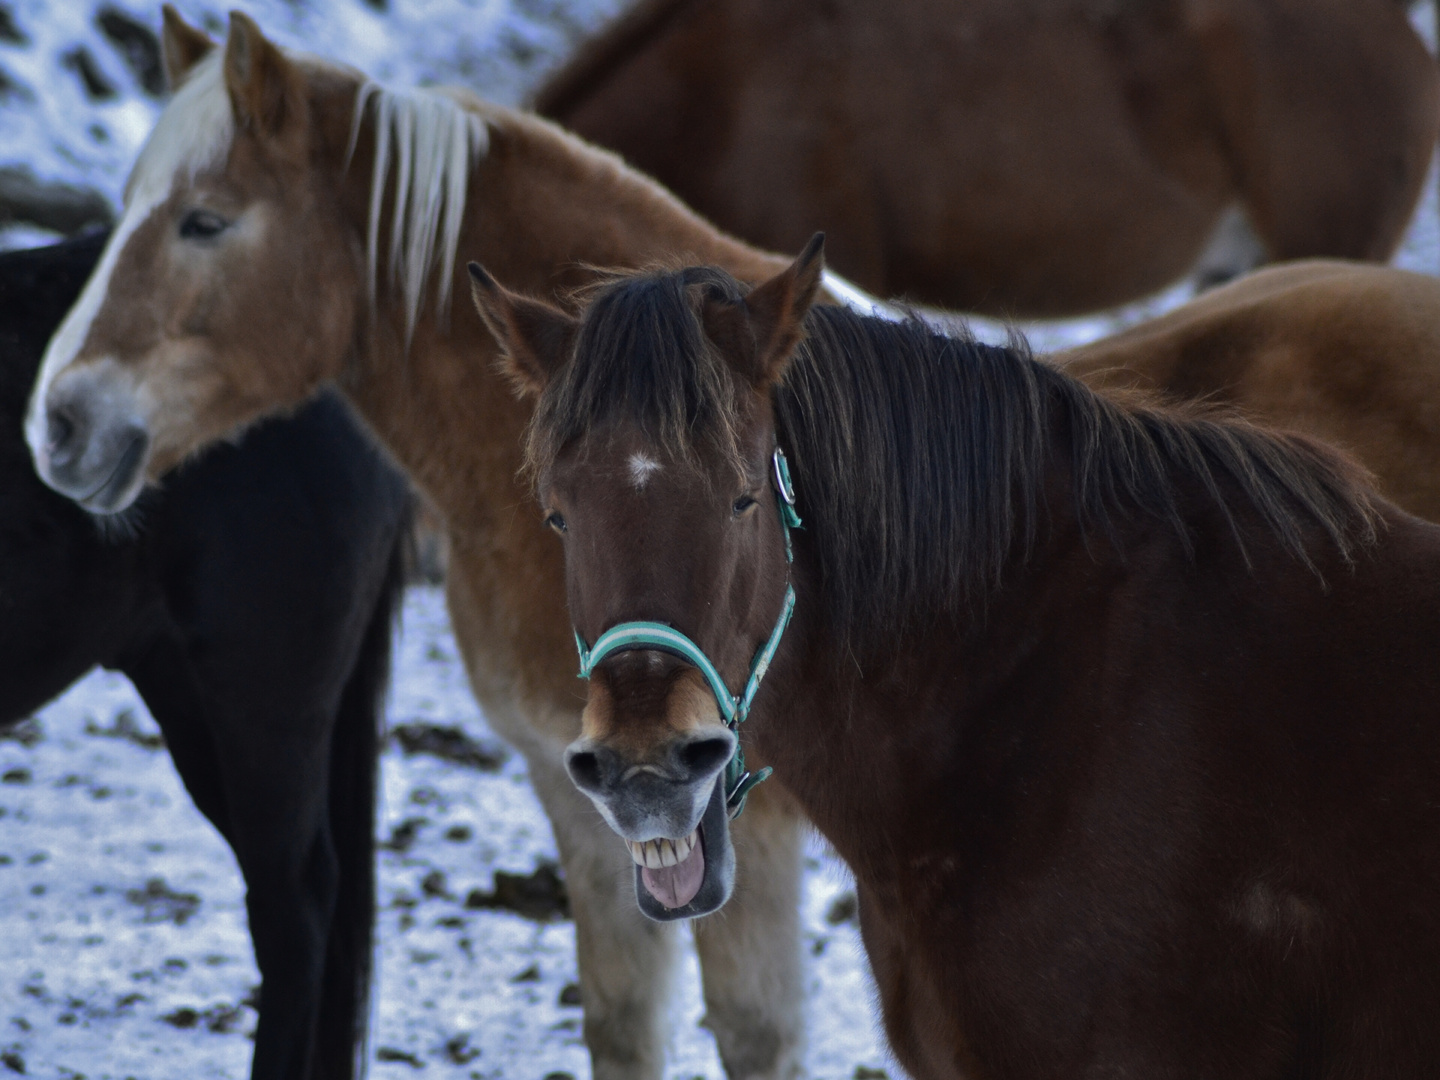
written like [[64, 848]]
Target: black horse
[[251, 603]]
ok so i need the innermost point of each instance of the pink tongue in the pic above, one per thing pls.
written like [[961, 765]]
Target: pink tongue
[[676, 886]]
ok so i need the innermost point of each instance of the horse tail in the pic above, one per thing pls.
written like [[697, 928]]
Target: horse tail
[[341, 1048]]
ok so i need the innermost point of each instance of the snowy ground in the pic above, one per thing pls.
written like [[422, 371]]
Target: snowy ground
[[123, 947]]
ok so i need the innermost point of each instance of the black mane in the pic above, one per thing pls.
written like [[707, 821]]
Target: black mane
[[920, 459]]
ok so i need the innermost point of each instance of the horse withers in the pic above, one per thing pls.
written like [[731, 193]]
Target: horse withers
[[1123, 715], [250, 600]]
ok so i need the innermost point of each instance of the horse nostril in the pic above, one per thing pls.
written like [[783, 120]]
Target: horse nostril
[[59, 429], [704, 757], [584, 769]]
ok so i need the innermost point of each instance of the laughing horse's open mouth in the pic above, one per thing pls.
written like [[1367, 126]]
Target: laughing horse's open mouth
[[690, 876]]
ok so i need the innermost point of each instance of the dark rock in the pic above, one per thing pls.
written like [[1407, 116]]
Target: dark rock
[[124, 726], [459, 1051], [404, 835], [540, 896], [844, 908], [9, 31], [450, 744], [182, 1018], [433, 885], [26, 732], [391, 1053], [163, 904], [570, 994], [137, 45], [97, 85]]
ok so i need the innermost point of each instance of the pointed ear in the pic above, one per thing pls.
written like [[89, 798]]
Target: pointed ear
[[535, 339], [267, 91], [761, 332], [182, 45]]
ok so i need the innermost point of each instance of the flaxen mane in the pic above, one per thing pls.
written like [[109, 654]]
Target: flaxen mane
[[919, 459], [431, 143]]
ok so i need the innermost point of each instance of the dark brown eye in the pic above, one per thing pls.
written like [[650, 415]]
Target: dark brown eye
[[202, 225], [556, 521], [743, 503]]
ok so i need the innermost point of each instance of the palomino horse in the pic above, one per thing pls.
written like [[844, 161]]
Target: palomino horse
[[250, 602], [1022, 157], [1124, 717], [289, 224]]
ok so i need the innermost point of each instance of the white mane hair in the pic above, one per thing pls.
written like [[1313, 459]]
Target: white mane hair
[[433, 143]]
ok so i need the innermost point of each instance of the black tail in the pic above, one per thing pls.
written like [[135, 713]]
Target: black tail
[[340, 1041]]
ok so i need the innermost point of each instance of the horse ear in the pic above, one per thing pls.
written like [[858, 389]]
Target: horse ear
[[762, 331], [535, 339], [265, 88], [182, 45]]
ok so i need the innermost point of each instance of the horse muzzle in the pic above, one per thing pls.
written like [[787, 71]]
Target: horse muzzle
[[671, 811], [88, 442]]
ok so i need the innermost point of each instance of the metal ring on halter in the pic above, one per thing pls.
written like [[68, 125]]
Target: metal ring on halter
[[783, 483]]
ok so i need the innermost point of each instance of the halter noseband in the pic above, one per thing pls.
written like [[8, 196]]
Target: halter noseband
[[738, 780]]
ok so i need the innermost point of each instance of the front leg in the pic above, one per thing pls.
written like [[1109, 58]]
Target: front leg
[[625, 960], [265, 787], [750, 950]]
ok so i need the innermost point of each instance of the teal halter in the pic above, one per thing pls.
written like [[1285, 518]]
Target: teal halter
[[738, 780]]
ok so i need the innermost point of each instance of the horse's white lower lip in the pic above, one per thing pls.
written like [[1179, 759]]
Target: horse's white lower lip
[[663, 852]]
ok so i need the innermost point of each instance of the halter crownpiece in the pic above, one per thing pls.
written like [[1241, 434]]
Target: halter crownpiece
[[653, 635]]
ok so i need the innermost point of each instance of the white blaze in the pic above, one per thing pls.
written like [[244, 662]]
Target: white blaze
[[193, 131]]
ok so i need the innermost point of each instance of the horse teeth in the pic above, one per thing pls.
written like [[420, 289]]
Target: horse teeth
[[662, 852]]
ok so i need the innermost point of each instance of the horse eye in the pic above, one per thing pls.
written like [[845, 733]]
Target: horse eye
[[743, 503], [556, 521], [201, 225]]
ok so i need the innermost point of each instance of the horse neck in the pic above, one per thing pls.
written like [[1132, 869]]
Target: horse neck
[[866, 741], [541, 208]]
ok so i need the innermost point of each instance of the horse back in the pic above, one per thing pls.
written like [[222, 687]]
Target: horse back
[[1344, 352]]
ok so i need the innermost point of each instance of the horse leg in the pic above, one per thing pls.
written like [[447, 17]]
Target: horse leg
[[1330, 122], [625, 959], [161, 675], [749, 951], [268, 797], [278, 785]]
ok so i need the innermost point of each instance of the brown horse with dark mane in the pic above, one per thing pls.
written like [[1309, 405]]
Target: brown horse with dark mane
[[1127, 718], [1022, 157]]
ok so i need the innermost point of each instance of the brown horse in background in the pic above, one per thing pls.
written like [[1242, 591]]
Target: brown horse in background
[[1022, 158], [1344, 352], [1126, 719]]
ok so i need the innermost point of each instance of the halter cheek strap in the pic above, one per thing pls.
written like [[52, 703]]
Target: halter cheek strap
[[738, 780]]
